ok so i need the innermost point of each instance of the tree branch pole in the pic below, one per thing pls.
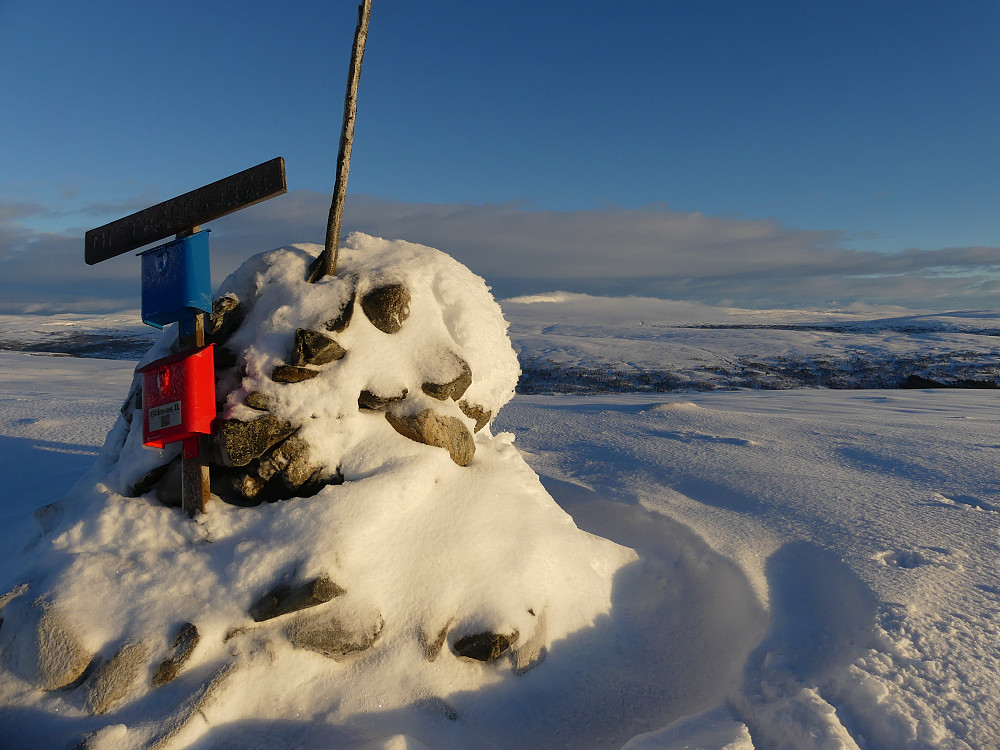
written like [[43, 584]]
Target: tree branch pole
[[327, 264]]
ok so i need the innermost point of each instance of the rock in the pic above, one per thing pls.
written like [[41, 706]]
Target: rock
[[41, 646], [369, 400], [117, 677], [257, 400], [315, 348], [133, 402], [432, 648], [226, 317], [292, 374], [387, 307], [343, 318], [454, 388], [430, 428], [532, 652], [317, 481], [291, 460], [242, 442], [476, 412], [248, 486], [223, 358], [183, 646], [168, 491], [484, 646], [148, 481], [285, 599], [297, 469], [333, 637]]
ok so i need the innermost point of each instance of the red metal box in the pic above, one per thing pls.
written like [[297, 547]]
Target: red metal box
[[178, 397]]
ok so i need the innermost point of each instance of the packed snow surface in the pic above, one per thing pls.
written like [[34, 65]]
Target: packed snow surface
[[750, 569]]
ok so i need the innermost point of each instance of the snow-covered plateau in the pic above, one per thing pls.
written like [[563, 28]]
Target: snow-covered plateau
[[718, 566]]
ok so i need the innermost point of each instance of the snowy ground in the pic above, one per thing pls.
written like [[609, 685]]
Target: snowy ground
[[818, 568]]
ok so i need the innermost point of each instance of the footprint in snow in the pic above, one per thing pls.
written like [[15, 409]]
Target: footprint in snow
[[908, 559], [966, 501]]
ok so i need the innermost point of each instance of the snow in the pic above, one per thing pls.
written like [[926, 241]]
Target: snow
[[579, 343], [804, 568]]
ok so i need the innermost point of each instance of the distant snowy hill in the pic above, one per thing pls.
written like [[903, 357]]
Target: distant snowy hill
[[578, 343], [575, 343]]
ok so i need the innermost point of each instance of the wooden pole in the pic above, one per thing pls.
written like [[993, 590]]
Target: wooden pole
[[326, 264], [195, 476]]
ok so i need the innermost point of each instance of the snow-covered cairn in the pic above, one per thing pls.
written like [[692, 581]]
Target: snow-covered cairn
[[371, 546]]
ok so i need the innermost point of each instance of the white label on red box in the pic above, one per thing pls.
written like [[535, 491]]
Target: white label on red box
[[162, 417]]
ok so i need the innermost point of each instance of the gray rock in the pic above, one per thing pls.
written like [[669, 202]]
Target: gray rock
[[133, 402], [257, 400], [531, 653], [370, 400], [430, 428], [248, 486], [387, 307], [285, 599], [168, 491], [315, 348], [226, 317], [149, 480], [290, 459], [476, 412], [183, 646], [292, 374], [454, 388], [335, 637], [432, 646], [117, 677], [242, 442], [343, 318], [484, 646], [41, 645]]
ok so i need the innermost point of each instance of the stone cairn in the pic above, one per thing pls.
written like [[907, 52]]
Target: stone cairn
[[252, 461], [263, 459]]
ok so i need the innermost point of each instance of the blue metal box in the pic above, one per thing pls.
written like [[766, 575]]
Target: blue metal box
[[176, 280]]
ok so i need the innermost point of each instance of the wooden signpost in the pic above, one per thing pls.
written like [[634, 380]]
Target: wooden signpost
[[185, 213], [183, 216]]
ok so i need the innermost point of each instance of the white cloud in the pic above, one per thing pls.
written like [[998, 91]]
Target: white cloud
[[653, 252]]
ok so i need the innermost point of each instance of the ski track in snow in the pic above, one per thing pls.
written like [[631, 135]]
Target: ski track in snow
[[866, 523]]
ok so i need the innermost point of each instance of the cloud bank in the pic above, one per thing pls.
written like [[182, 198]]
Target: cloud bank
[[652, 252]]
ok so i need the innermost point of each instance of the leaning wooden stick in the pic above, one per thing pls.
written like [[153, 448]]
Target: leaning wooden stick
[[326, 264]]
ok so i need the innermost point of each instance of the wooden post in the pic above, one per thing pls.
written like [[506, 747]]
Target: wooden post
[[195, 478], [326, 264]]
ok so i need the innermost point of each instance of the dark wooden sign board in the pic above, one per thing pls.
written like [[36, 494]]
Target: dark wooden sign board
[[181, 214]]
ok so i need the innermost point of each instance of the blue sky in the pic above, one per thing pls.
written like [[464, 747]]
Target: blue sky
[[759, 153]]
